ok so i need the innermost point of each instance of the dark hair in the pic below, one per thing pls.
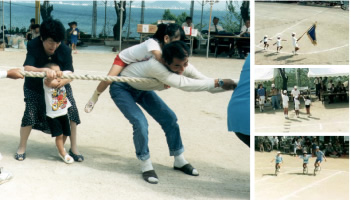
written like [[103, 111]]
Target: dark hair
[[215, 18], [32, 20], [172, 30], [186, 19], [52, 28], [176, 49]]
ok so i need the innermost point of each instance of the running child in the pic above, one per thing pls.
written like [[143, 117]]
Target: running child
[[265, 42], [279, 44], [57, 104], [320, 155], [305, 159], [297, 106], [262, 97], [152, 47], [285, 100], [278, 161], [307, 104], [294, 41], [75, 35]]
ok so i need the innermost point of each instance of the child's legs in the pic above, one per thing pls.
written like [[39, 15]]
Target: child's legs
[[114, 71], [60, 145], [308, 110], [304, 165]]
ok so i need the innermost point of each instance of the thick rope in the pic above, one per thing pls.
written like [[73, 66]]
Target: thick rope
[[92, 77]]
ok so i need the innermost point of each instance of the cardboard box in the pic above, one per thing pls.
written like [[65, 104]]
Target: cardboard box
[[146, 28]]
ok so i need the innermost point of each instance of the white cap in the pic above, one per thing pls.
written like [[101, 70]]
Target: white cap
[[265, 35], [293, 33], [273, 85], [278, 152], [295, 87], [285, 91], [317, 147], [278, 36]]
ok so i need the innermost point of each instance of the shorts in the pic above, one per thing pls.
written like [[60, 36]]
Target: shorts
[[265, 43], [262, 99], [320, 160], [74, 40], [307, 106], [285, 106], [119, 62], [59, 125]]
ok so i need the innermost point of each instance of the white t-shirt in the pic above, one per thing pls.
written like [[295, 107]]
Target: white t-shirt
[[56, 101], [279, 42], [295, 93], [265, 39], [297, 104], [3, 74], [285, 100], [186, 25], [140, 52], [191, 80], [294, 41], [307, 102], [329, 86]]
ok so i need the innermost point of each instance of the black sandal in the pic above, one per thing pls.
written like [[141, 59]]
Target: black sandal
[[77, 158], [150, 174], [20, 156], [187, 169]]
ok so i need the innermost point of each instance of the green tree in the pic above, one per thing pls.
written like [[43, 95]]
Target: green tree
[[180, 19], [231, 21]]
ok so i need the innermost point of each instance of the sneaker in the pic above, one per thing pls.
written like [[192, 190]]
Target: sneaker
[[5, 176]]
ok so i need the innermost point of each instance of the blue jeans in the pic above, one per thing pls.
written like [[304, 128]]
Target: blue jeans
[[275, 102], [126, 98]]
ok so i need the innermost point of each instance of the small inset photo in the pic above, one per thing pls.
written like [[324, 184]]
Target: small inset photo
[[302, 32], [301, 100], [301, 167]]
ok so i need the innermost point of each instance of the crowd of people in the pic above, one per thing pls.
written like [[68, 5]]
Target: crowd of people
[[334, 146]]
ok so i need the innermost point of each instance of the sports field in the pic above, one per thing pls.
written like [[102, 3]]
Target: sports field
[[325, 118], [105, 138], [282, 19], [331, 183]]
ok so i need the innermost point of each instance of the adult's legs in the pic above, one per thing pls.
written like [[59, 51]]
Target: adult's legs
[[24, 135], [158, 109]]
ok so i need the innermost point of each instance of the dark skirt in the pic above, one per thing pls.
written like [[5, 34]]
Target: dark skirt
[[35, 113]]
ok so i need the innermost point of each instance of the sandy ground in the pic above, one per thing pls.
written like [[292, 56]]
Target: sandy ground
[[282, 19], [331, 183], [325, 118], [110, 169]]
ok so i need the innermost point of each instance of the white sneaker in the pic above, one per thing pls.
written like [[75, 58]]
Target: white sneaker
[[4, 177]]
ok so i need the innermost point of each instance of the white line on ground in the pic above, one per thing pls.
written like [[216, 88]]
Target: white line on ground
[[313, 52], [308, 186]]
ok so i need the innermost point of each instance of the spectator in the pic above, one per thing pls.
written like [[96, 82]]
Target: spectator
[[245, 29], [317, 83], [30, 31], [216, 27], [35, 30], [274, 94], [189, 23]]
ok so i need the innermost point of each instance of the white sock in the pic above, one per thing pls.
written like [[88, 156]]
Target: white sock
[[146, 165], [179, 161]]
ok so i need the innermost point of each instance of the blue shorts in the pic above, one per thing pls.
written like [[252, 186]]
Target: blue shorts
[[320, 160], [74, 40]]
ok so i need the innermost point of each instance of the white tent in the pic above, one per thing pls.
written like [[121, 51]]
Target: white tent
[[328, 72], [265, 74]]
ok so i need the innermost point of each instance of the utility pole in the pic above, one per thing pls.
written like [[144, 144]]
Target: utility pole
[[93, 28], [142, 12]]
